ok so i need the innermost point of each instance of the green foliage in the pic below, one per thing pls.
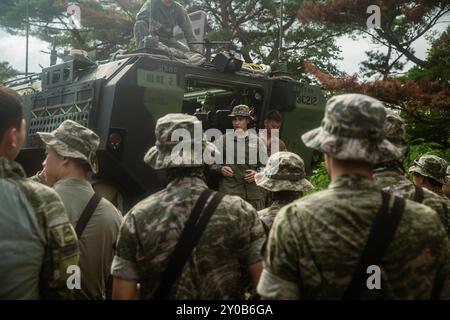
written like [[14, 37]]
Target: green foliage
[[6, 71], [439, 60], [379, 63], [106, 25], [319, 178], [428, 127], [418, 150], [252, 26]]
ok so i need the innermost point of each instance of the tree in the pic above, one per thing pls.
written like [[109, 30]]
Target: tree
[[7, 72], [424, 104], [380, 63], [251, 26], [106, 25], [402, 21], [439, 62]]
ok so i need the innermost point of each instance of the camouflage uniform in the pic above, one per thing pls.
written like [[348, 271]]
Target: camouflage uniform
[[73, 140], [284, 176], [231, 241], [390, 176], [253, 144], [316, 242], [47, 230], [432, 167], [155, 18]]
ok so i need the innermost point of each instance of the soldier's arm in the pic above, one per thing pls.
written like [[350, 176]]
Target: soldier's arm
[[124, 289], [185, 24], [254, 271], [252, 238], [124, 267], [61, 250], [279, 279], [441, 288], [144, 12]]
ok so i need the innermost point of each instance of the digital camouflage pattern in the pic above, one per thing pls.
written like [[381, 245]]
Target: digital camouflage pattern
[[395, 131], [430, 166], [73, 140], [157, 19], [394, 182], [61, 244], [284, 171], [240, 111], [231, 242], [352, 129], [162, 155], [280, 200], [316, 242]]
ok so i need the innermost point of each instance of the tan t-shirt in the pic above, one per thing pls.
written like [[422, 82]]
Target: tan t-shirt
[[98, 239]]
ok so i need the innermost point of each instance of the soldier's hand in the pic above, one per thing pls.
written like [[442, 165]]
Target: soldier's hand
[[249, 176], [227, 171]]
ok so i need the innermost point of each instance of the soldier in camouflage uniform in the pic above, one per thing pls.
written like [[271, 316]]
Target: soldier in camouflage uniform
[[284, 178], [316, 242], [71, 158], [446, 185], [238, 177], [158, 18], [37, 242], [391, 177], [430, 172], [226, 254]]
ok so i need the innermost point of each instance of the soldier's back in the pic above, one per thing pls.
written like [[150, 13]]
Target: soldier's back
[[267, 215], [231, 241], [36, 239], [397, 184], [323, 236]]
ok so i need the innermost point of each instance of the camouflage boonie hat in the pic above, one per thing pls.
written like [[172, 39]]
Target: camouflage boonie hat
[[73, 140], [430, 166], [164, 155], [240, 111], [352, 129], [284, 171], [394, 130]]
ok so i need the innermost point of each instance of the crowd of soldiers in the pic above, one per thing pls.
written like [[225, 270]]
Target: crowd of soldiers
[[258, 236]]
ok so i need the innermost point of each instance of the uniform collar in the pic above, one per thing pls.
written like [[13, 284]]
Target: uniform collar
[[11, 169], [390, 173], [193, 180], [73, 183], [353, 181]]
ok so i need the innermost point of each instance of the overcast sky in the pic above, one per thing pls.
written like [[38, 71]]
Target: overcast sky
[[12, 49]]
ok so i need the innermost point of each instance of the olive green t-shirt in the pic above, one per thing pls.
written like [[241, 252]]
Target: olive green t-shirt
[[98, 239]]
